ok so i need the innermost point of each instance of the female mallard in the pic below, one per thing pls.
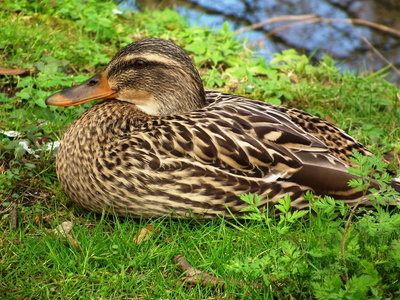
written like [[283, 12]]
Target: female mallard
[[159, 143]]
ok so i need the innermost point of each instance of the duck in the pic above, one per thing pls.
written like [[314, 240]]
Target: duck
[[159, 144]]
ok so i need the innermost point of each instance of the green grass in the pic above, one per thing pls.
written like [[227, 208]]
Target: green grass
[[294, 255], [286, 256]]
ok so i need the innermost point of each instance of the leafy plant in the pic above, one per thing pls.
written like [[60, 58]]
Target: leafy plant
[[316, 252], [6, 180]]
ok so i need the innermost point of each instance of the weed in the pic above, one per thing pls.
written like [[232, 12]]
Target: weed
[[6, 180], [314, 250]]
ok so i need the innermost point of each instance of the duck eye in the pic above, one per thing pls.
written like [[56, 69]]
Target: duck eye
[[139, 63]]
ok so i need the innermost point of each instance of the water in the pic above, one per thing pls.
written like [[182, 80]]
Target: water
[[354, 47]]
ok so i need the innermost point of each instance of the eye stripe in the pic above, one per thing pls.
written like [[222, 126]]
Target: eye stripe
[[150, 57], [127, 65]]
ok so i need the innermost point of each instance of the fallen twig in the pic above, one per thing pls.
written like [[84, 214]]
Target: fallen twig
[[378, 53], [16, 71], [291, 25], [346, 229], [274, 20], [307, 19], [195, 276], [14, 219]]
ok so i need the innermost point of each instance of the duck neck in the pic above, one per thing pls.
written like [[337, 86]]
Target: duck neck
[[177, 100], [112, 118]]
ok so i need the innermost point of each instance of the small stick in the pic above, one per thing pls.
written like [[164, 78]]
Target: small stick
[[195, 276], [307, 19], [14, 219], [16, 71], [377, 52], [273, 20]]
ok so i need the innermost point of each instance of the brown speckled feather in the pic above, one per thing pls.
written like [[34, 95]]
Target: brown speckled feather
[[167, 146], [196, 162]]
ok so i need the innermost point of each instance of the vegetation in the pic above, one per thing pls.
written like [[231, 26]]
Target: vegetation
[[326, 252]]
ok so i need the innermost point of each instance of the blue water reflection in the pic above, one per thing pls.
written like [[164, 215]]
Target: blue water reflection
[[345, 42]]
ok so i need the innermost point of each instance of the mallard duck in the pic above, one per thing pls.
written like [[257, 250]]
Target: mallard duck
[[160, 144]]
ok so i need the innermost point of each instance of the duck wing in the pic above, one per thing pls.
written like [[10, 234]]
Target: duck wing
[[237, 142]]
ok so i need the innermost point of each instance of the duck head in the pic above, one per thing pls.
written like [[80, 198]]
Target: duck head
[[153, 74]]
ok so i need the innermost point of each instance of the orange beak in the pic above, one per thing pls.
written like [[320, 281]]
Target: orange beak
[[93, 89]]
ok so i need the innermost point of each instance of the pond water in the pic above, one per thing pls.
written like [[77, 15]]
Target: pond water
[[367, 44]]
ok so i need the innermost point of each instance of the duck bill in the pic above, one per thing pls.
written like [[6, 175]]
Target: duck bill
[[95, 88]]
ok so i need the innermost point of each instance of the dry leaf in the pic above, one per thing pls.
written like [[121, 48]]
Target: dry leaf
[[144, 234], [74, 243], [329, 119], [64, 228]]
